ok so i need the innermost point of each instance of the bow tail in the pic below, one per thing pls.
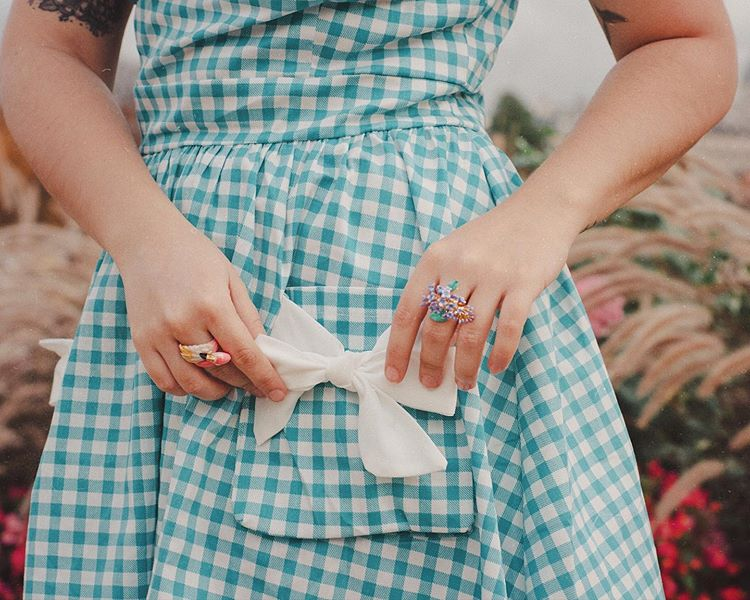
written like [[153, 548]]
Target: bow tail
[[391, 442], [271, 417]]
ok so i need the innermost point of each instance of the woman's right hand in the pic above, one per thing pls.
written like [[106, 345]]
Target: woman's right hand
[[184, 290]]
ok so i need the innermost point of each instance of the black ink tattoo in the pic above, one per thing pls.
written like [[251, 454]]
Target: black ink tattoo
[[607, 17], [100, 16]]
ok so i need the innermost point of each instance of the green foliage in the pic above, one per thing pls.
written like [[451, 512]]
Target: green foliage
[[527, 136]]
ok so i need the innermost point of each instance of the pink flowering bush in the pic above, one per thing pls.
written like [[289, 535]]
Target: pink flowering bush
[[12, 543], [607, 315], [694, 555]]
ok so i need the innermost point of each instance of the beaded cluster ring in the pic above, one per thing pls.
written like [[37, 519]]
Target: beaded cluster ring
[[445, 305], [204, 355]]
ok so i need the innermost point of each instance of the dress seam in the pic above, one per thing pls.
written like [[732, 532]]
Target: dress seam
[[232, 143]]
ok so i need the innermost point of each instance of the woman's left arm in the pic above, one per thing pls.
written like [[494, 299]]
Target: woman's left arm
[[675, 77]]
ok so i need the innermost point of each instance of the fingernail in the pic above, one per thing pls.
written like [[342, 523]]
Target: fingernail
[[222, 358], [392, 374], [276, 395], [464, 385]]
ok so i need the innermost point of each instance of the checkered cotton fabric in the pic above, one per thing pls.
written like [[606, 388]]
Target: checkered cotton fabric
[[141, 494]]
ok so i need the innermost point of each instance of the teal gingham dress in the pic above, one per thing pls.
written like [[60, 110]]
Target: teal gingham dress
[[323, 146]]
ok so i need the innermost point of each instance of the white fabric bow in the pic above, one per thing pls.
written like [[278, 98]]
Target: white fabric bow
[[391, 442], [61, 347]]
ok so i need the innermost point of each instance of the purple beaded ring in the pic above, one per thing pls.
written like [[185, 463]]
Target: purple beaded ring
[[445, 305]]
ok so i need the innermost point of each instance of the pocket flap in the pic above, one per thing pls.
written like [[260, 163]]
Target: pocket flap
[[322, 464]]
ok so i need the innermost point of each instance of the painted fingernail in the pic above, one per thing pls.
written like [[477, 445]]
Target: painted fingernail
[[464, 385], [391, 374], [276, 395], [222, 358]]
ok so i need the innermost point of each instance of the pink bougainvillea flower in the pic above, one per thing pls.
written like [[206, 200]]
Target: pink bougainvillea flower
[[6, 593], [654, 469], [15, 530], [715, 556], [17, 558], [669, 585], [697, 498], [681, 523], [732, 593], [606, 316]]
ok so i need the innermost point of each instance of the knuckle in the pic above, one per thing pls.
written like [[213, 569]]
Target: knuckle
[[471, 339], [139, 337], [403, 316], [472, 258], [435, 336], [207, 311], [231, 376], [256, 323], [214, 394], [509, 326], [430, 364], [162, 383], [192, 385], [267, 381], [435, 253], [175, 319], [247, 357]]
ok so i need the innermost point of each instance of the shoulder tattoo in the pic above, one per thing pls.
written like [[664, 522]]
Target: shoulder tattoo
[[607, 17], [100, 16]]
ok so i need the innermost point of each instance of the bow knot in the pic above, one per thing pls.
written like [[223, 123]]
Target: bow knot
[[341, 368], [391, 442]]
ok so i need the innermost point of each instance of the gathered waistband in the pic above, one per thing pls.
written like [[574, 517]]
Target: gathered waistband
[[263, 110]]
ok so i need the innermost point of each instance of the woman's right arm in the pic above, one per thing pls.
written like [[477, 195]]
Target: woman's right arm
[[56, 79]]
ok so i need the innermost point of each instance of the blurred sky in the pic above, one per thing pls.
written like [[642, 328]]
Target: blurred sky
[[554, 53]]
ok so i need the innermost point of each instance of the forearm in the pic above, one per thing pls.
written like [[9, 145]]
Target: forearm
[[69, 127], [652, 106]]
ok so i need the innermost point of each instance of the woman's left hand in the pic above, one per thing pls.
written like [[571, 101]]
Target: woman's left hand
[[502, 259]]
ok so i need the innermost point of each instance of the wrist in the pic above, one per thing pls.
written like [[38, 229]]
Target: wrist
[[569, 214], [136, 236]]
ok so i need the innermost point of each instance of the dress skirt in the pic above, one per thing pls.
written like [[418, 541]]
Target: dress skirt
[[142, 494]]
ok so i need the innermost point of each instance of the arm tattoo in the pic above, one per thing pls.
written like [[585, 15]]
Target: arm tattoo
[[100, 16], [607, 17]]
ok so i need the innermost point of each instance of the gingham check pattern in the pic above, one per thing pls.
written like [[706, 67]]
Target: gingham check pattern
[[140, 494]]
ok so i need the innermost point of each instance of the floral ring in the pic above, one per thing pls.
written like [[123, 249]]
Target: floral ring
[[204, 355], [444, 305]]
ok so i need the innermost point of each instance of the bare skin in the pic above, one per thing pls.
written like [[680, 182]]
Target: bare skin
[[675, 77], [58, 66]]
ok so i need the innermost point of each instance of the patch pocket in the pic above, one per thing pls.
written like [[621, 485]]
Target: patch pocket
[[308, 478]]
